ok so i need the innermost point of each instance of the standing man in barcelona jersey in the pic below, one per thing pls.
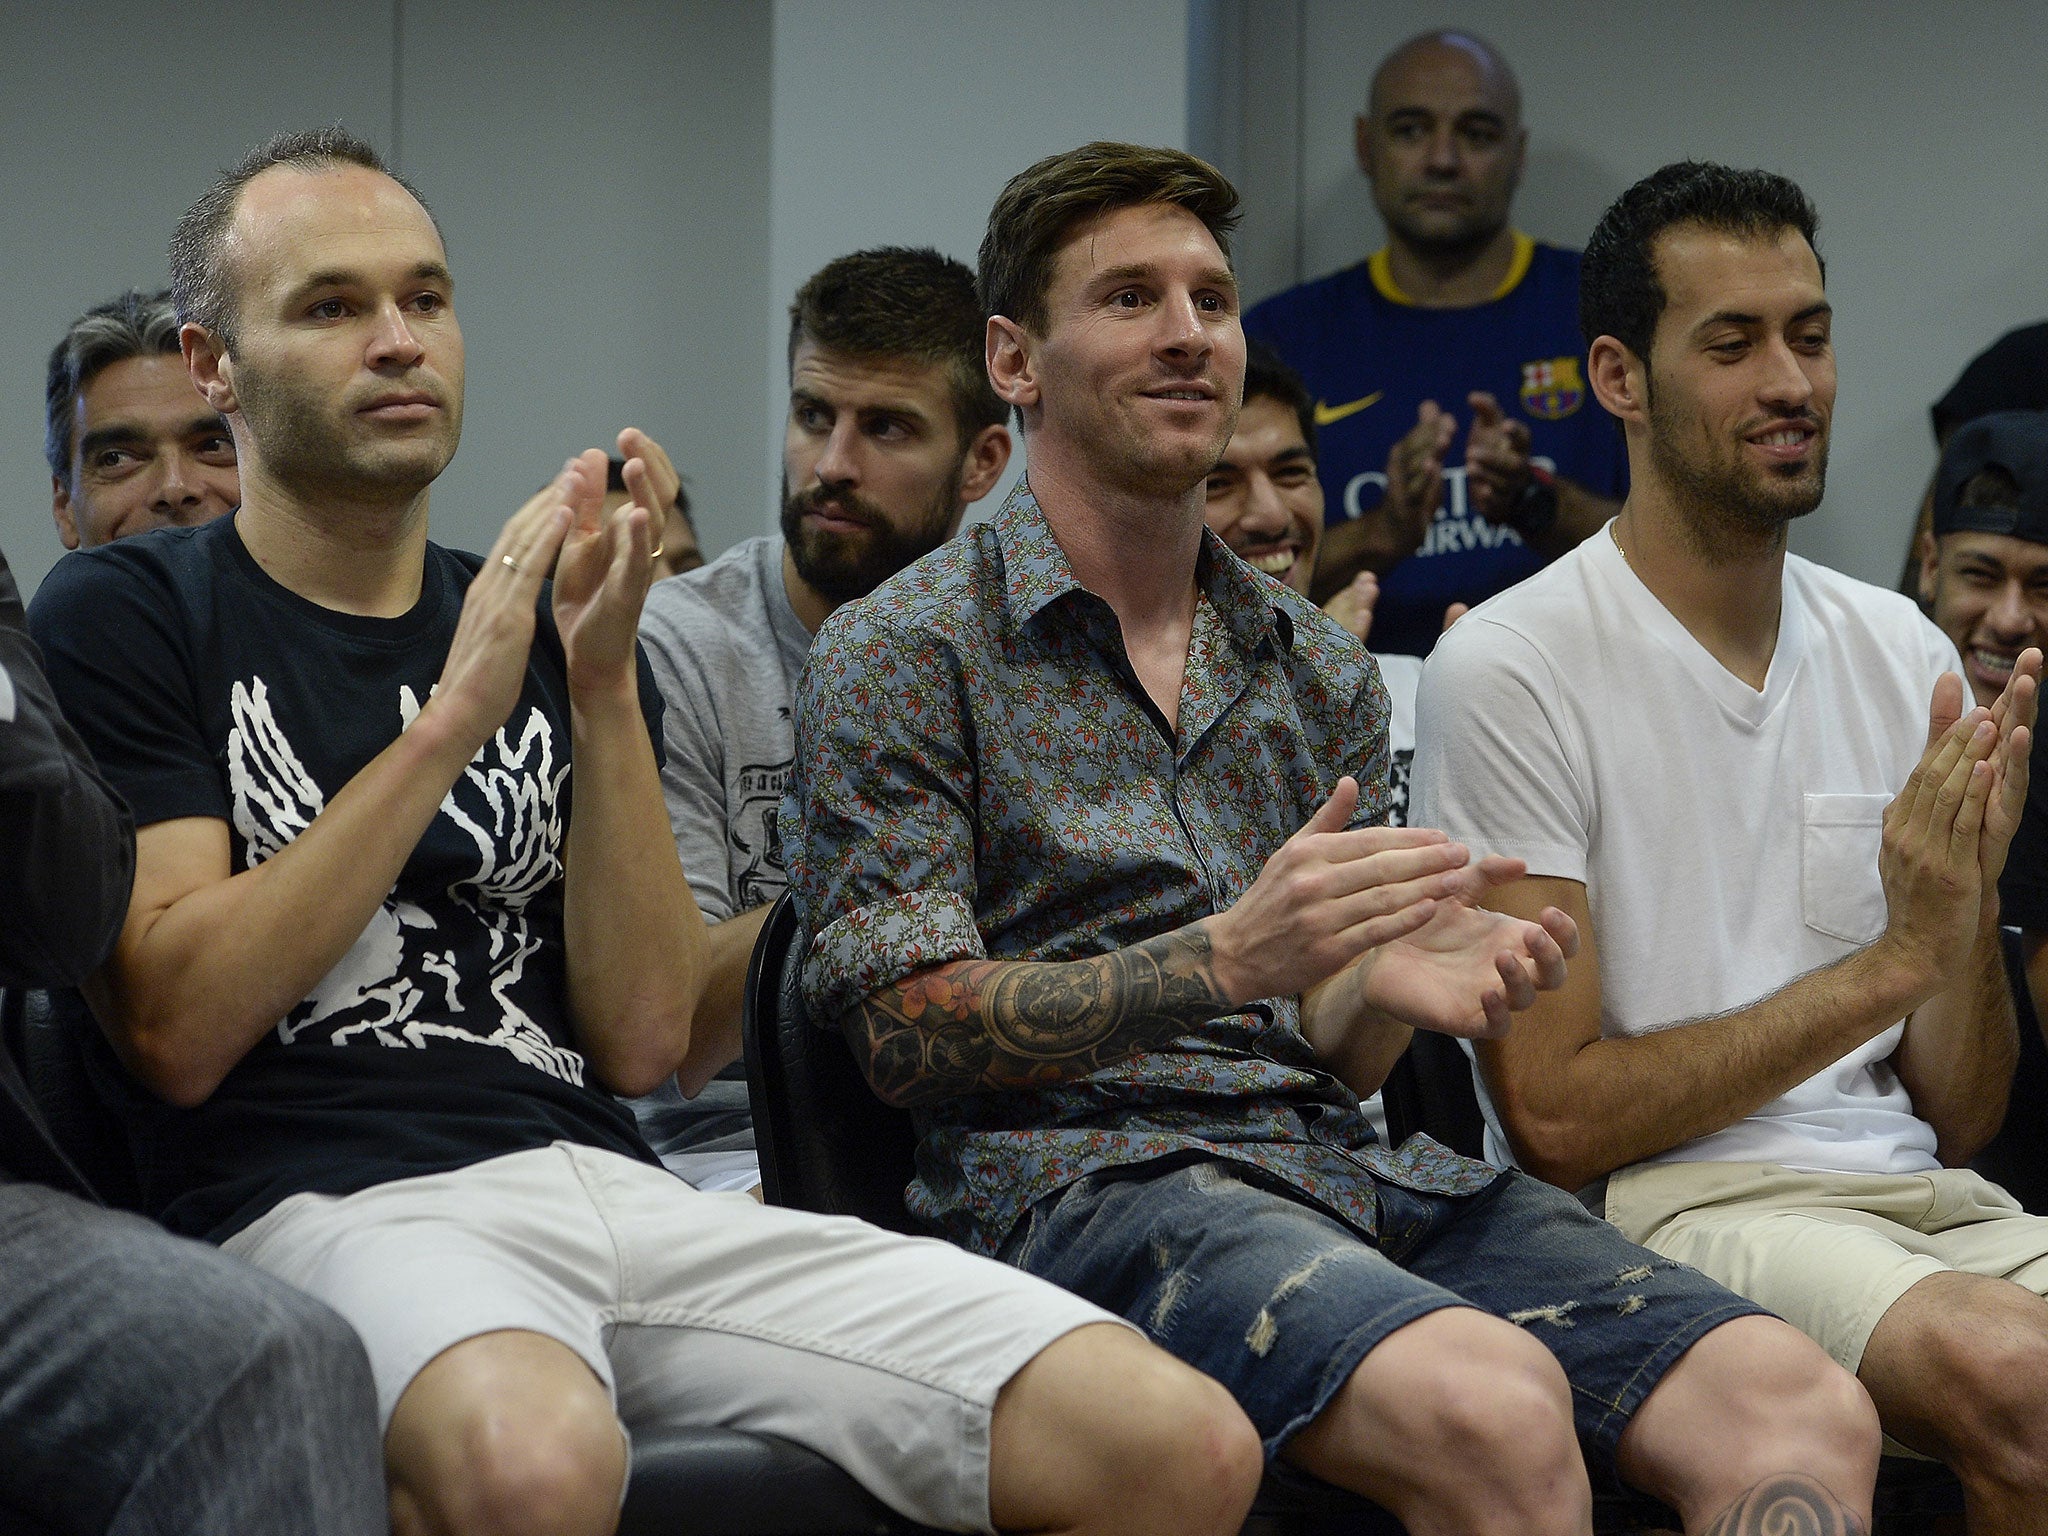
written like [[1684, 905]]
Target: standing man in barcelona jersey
[[1457, 438]]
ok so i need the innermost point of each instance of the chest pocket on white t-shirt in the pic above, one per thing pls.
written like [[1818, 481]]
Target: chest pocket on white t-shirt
[[1839, 890]]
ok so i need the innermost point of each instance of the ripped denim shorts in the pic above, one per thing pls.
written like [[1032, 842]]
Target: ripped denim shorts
[[1280, 1301]]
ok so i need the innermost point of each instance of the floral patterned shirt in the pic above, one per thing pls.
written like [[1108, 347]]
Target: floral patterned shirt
[[979, 773]]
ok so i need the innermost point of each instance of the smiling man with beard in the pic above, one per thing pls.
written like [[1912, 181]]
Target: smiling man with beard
[[1723, 762], [893, 432]]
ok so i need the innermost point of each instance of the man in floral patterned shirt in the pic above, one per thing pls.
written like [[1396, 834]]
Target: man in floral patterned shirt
[[1043, 828]]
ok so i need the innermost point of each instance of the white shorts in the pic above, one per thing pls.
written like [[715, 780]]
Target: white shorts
[[882, 1353]]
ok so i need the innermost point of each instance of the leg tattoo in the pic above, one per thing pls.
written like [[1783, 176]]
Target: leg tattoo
[[1791, 1505]]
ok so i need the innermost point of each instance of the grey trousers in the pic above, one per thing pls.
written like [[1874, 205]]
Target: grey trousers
[[149, 1385]]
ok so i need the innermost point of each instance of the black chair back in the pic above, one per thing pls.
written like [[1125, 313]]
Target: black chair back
[[826, 1142], [2017, 1158], [53, 1047], [1430, 1089]]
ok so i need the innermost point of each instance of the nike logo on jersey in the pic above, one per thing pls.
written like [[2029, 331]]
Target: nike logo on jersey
[[1326, 414]]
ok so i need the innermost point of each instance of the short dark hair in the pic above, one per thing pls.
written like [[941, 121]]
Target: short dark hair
[[615, 480], [895, 302], [1039, 208], [1620, 294], [136, 324], [1267, 377], [200, 281]]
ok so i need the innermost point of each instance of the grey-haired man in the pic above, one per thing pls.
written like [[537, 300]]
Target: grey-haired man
[[131, 444]]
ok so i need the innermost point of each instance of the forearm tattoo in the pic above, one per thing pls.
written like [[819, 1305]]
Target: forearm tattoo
[[1792, 1505], [981, 1024]]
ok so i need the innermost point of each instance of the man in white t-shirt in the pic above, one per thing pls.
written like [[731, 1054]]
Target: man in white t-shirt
[[1719, 758], [893, 432]]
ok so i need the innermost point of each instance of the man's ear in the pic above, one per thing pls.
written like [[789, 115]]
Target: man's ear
[[1010, 373], [212, 370], [60, 509], [1930, 566], [1619, 379], [983, 464], [1361, 143]]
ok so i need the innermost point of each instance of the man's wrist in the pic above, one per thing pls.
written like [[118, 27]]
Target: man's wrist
[[608, 695], [442, 737], [1900, 975], [1226, 971]]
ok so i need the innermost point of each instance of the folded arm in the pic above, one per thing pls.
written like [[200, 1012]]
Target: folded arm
[[209, 960], [1960, 1047], [972, 1026], [1958, 1055]]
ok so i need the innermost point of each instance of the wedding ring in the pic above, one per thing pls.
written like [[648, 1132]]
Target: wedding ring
[[510, 561], [654, 553]]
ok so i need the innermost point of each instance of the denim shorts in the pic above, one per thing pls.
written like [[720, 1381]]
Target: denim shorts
[[1280, 1301]]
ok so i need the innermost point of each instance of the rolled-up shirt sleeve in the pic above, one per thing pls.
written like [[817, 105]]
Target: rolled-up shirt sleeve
[[879, 825]]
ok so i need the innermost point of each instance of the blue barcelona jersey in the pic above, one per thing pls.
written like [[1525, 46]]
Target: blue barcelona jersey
[[1371, 358]]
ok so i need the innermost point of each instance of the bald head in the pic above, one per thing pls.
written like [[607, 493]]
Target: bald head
[[1441, 141], [1462, 53]]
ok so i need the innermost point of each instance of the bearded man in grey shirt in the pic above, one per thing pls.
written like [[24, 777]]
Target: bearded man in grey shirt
[[893, 433]]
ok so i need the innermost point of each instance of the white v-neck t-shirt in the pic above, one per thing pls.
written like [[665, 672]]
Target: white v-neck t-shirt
[[1727, 838]]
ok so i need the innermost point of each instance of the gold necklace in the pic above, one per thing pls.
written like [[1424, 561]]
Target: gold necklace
[[1614, 529]]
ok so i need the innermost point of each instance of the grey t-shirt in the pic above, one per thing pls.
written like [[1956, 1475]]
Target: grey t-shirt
[[726, 648]]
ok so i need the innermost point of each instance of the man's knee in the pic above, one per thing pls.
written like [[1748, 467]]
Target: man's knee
[[505, 1435], [1104, 1430], [1987, 1363], [1803, 1398], [1459, 1413], [1489, 1393], [1752, 1398]]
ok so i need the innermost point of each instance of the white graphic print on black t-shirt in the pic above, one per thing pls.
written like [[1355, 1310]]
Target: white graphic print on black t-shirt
[[442, 1036], [400, 984]]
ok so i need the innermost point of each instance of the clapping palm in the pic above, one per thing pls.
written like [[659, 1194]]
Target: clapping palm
[[1467, 969], [606, 564]]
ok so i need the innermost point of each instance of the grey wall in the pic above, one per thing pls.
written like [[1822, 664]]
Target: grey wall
[[599, 172], [1917, 130], [898, 121]]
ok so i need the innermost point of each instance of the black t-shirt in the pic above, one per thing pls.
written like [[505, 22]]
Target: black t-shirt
[[204, 688], [2023, 888]]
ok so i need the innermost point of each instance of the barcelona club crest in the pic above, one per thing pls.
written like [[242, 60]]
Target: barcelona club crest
[[1552, 388]]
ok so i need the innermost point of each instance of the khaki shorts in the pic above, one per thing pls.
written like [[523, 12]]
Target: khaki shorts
[[881, 1352], [1828, 1252]]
